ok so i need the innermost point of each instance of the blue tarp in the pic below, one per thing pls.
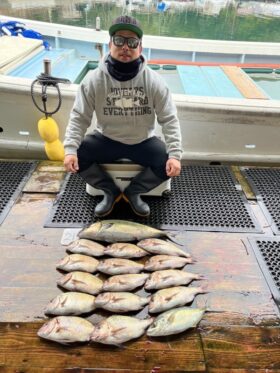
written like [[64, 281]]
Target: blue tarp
[[14, 28], [162, 6]]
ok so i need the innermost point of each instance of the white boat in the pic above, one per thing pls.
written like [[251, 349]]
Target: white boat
[[242, 127]]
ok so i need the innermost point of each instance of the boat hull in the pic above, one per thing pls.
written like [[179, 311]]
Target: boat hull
[[213, 129]]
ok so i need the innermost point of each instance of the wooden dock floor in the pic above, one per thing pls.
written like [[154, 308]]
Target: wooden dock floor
[[239, 333]]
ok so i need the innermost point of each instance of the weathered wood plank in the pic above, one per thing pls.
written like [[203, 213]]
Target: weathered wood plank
[[44, 182], [231, 280], [89, 370], [233, 340], [22, 348], [241, 347], [234, 281], [50, 166], [27, 251], [28, 272], [250, 195], [231, 308], [243, 83], [238, 349], [24, 228], [92, 370], [25, 304], [238, 318], [249, 370]]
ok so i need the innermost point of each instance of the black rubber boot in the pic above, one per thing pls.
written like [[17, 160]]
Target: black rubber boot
[[98, 178], [145, 181]]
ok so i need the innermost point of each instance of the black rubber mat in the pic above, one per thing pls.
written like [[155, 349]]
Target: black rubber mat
[[204, 198], [265, 183], [267, 252], [14, 176]]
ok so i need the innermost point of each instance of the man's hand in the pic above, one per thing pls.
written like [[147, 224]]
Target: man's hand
[[71, 163], [173, 167]]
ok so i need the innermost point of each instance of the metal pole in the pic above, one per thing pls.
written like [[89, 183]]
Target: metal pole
[[47, 66]]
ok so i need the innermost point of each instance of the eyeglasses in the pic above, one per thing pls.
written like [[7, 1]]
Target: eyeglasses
[[119, 41]]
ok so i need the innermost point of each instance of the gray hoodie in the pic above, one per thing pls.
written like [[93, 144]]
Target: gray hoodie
[[125, 111]]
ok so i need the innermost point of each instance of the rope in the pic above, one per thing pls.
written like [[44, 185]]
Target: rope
[[46, 81]]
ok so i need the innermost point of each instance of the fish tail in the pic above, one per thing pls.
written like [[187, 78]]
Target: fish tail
[[149, 298], [187, 255], [174, 237], [203, 289], [121, 346], [200, 277], [191, 260], [212, 310], [208, 308]]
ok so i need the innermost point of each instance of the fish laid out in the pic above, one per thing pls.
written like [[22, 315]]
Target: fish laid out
[[170, 277], [117, 266], [87, 247], [160, 262], [116, 330], [119, 231], [178, 296], [71, 303], [66, 329], [81, 281], [78, 262], [175, 321], [120, 302], [124, 250], [87, 292], [158, 246], [125, 282]]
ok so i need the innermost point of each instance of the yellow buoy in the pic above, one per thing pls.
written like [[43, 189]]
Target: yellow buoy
[[55, 150], [49, 131]]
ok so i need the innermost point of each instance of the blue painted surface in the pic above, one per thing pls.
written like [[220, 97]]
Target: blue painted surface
[[207, 81], [191, 80], [83, 49], [64, 64], [269, 84]]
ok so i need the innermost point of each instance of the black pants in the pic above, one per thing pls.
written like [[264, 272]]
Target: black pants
[[96, 148]]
